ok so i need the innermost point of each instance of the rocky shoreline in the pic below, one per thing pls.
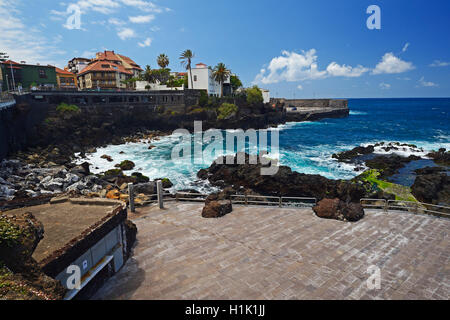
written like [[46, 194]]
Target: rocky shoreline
[[31, 177]]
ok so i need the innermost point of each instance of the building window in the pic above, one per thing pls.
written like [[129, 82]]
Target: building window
[[195, 78], [42, 73]]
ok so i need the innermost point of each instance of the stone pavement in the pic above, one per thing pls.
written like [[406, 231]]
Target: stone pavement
[[272, 253]]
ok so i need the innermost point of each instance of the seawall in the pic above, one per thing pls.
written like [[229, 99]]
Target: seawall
[[35, 122]]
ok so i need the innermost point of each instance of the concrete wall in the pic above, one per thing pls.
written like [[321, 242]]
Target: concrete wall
[[311, 103], [18, 122]]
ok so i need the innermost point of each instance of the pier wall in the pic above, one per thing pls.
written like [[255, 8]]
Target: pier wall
[[311, 103]]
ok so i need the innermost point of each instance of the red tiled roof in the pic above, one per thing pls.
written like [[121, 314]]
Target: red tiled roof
[[107, 55], [131, 62], [104, 66], [61, 71], [15, 65]]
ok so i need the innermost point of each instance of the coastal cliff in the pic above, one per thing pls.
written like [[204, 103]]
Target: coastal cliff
[[39, 127]]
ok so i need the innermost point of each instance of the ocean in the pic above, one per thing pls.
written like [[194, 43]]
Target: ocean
[[307, 147]]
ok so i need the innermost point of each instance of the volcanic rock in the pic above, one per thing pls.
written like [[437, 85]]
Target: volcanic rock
[[339, 210], [217, 209]]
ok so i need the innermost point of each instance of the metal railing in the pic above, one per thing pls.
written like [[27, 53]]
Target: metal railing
[[273, 201], [290, 202], [408, 206]]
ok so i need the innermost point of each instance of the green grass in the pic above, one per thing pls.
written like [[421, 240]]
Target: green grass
[[65, 108], [9, 233], [401, 193]]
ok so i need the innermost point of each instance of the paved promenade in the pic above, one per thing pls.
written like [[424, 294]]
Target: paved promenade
[[272, 253]]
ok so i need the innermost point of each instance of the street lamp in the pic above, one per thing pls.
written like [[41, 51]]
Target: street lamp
[[12, 74]]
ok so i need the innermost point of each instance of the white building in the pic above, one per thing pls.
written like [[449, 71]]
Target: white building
[[141, 86], [77, 65], [266, 95], [203, 80]]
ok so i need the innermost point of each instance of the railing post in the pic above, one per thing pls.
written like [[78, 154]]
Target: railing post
[[159, 192], [246, 200], [131, 197], [281, 202], [386, 206]]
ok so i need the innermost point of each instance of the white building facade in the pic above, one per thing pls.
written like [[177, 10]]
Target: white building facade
[[266, 95], [203, 79]]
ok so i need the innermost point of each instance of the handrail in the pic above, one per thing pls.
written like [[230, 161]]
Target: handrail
[[385, 205], [410, 206]]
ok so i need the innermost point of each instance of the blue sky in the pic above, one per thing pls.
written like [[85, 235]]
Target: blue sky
[[300, 49]]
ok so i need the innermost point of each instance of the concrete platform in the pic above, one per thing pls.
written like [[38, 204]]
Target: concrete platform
[[271, 253], [65, 221]]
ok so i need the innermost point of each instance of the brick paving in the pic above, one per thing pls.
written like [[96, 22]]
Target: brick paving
[[272, 253]]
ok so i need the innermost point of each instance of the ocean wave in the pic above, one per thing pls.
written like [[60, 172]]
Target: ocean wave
[[357, 113]]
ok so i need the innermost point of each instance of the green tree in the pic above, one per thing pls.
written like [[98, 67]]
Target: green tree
[[186, 60], [235, 82], [220, 74], [254, 96], [148, 75], [163, 61], [227, 110]]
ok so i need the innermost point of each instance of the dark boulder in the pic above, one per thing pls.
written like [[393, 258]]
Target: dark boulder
[[126, 165], [285, 182], [347, 156], [166, 183], [351, 211], [441, 156], [339, 210], [82, 169], [328, 209], [217, 209], [432, 188], [145, 188]]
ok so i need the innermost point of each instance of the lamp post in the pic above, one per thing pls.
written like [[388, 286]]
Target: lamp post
[[7, 82], [12, 74]]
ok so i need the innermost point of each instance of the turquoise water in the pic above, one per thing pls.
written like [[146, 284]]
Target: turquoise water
[[307, 147]]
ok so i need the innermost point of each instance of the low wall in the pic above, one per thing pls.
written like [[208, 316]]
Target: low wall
[[311, 103], [18, 122]]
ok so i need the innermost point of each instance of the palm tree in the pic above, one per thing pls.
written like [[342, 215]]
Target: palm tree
[[220, 74], [186, 57], [163, 60]]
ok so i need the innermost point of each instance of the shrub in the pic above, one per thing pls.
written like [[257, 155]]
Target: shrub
[[226, 110], [254, 96], [197, 110], [65, 108], [203, 100]]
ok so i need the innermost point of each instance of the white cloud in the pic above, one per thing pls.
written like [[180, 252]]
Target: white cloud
[[300, 87], [405, 47], [116, 22], [337, 70], [385, 86], [146, 43], [23, 43], [423, 83], [291, 66], [146, 6], [155, 28], [142, 19], [391, 64], [439, 63], [126, 33], [89, 53]]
